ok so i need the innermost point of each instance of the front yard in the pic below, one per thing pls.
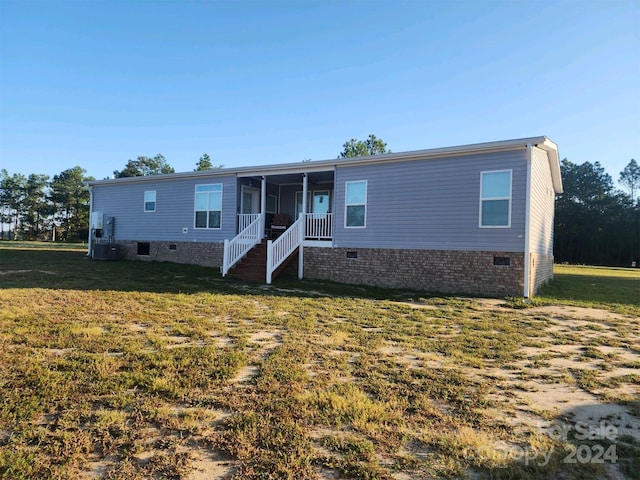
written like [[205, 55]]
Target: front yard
[[123, 370]]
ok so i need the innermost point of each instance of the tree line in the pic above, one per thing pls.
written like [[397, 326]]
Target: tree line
[[143, 166], [595, 223], [37, 207]]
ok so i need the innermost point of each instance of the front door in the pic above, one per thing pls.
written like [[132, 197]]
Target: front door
[[249, 204], [320, 201], [250, 201], [319, 223]]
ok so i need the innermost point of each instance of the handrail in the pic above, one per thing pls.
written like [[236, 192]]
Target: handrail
[[283, 246], [240, 245], [245, 219], [319, 225]]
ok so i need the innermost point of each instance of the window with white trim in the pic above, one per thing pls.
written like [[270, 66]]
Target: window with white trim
[[495, 199], [355, 215], [272, 204], [150, 201], [208, 206]]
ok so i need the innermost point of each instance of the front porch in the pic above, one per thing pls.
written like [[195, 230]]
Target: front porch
[[288, 211], [318, 226], [268, 255]]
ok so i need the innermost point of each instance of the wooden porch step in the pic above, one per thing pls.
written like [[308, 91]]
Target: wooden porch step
[[253, 266]]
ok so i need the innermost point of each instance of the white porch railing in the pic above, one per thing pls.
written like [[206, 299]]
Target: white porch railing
[[245, 219], [319, 225], [280, 249], [240, 245]]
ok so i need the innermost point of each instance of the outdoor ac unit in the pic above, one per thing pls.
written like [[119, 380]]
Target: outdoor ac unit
[[106, 251]]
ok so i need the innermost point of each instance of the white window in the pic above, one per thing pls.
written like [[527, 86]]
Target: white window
[[150, 201], [495, 199], [355, 204], [272, 204], [208, 206]]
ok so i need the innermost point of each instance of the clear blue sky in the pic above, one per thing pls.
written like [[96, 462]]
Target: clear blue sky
[[96, 83]]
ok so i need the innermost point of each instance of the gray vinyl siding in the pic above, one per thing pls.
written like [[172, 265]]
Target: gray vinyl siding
[[174, 209], [542, 204], [432, 204]]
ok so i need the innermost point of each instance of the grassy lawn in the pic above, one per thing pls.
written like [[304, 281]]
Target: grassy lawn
[[616, 288], [132, 370], [13, 244]]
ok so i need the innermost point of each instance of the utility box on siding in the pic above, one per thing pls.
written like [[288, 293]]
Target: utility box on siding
[[97, 220], [109, 226]]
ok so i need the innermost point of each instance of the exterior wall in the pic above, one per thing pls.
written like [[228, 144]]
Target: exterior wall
[[432, 204], [196, 253], [542, 203], [541, 214], [175, 201], [540, 271], [462, 272], [422, 222]]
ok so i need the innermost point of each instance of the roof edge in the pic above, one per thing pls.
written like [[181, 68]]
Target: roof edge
[[554, 162], [320, 165]]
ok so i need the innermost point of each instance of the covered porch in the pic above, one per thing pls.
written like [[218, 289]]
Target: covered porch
[[282, 199], [318, 227], [280, 213]]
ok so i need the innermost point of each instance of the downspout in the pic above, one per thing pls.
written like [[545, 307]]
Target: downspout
[[303, 233], [90, 239], [527, 221]]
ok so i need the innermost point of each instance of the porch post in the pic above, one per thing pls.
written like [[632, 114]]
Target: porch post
[[269, 261], [301, 254], [305, 184], [303, 230], [263, 205]]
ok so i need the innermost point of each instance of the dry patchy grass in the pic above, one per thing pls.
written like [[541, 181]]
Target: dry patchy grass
[[173, 373]]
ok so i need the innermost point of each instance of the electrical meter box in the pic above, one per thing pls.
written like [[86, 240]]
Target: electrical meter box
[[109, 226], [97, 219]]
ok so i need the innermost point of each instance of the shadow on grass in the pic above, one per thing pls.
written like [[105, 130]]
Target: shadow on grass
[[74, 270], [588, 442]]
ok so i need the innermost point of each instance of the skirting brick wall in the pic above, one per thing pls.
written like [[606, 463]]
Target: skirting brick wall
[[540, 271], [442, 271], [198, 253], [428, 270]]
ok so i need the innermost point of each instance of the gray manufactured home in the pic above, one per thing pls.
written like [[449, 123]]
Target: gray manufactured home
[[474, 219]]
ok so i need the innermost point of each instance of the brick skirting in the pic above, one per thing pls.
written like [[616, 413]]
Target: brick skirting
[[445, 271], [197, 253], [442, 271]]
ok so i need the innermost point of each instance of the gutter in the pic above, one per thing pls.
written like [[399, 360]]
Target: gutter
[[89, 240]]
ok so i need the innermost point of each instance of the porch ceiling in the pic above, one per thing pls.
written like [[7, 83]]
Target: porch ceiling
[[295, 178]]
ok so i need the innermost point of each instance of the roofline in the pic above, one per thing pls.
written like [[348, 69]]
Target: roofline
[[325, 165], [554, 162]]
